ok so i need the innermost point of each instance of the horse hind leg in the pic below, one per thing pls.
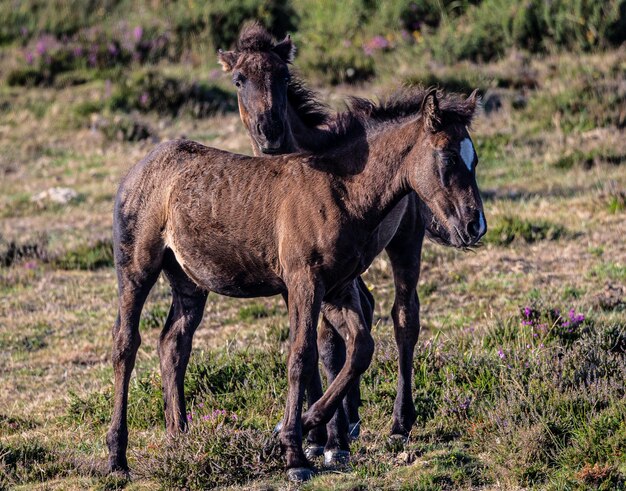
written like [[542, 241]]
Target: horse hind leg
[[137, 271], [186, 312], [332, 352], [360, 348], [352, 401], [345, 423]]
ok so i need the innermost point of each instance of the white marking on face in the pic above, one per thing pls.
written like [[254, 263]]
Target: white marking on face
[[467, 153], [482, 225]]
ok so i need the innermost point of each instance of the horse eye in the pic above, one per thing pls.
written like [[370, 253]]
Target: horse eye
[[238, 81]]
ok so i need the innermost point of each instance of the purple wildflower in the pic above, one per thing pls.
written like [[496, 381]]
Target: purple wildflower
[[77, 51], [189, 416], [143, 99], [113, 51], [29, 57], [463, 406], [375, 44], [138, 33], [41, 47], [574, 317], [501, 354], [92, 59]]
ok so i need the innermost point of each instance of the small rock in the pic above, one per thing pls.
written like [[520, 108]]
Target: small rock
[[406, 457], [58, 195]]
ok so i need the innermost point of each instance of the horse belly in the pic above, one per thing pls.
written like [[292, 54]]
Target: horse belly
[[225, 269]]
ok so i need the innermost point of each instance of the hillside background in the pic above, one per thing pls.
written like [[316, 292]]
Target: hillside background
[[521, 363]]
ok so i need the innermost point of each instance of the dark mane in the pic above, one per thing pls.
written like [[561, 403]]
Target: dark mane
[[305, 102], [365, 115], [406, 103], [255, 38]]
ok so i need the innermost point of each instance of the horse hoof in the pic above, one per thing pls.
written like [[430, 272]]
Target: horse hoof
[[299, 474], [334, 458], [398, 438], [118, 466], [312, 451], [278, 427], [396, 442], [118, 471], [354, 430]]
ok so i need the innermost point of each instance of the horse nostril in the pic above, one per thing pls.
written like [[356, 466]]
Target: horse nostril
[[473, 227], [258, 129]]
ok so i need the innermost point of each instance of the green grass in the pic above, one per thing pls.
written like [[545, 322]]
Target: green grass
[[508, 229], [87, 257], [255, 311]]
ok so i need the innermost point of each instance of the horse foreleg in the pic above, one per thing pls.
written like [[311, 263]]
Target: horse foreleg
[[345, 423], [405, 255], [305, 298]]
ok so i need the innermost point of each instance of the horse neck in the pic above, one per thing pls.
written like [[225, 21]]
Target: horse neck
[[379, 180], [303, 137]]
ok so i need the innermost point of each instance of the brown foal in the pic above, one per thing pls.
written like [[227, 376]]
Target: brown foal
[[300, 225]]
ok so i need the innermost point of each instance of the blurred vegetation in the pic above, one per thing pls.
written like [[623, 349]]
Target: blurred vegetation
[[337, 42]]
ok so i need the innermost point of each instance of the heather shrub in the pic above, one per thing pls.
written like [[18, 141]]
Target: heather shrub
[[153, 91], [86, 256], [215, 453], [587, 103], [492, 26], [331, 41]]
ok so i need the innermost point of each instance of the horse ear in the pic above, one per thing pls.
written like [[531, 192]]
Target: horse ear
[[473, 100], [227, 59], [430, 111], [286, 49]]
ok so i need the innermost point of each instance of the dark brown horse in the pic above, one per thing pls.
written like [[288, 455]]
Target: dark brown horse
[[282, 116], [299, 225]]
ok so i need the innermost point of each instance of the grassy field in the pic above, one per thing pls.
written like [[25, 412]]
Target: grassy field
[[519, 375]]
